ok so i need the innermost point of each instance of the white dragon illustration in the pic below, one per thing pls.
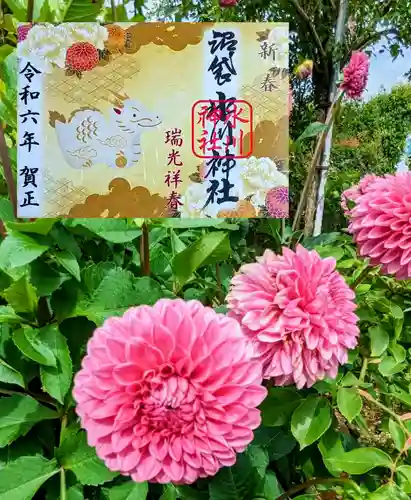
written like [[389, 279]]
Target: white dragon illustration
[[88, 138]]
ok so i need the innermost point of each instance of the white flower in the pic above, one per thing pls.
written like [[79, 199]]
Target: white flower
[[193, 201], [257, 177], [93, 33], [45, 45]]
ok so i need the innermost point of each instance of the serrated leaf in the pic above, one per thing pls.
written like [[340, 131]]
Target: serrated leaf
[[235, 483], [39, 226], [19, 480], [349, 402], [56, 380], [116, 292], [310, 420], [76, 455], [127, 491], [29, 341], [69, 262], [18, 249], [361, 460], [46, 279], [18, 414], [9, 375], [22, 296], [8, 315], [379, 339], [114, 230]]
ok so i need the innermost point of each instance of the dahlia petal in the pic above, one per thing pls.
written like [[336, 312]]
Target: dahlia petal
[[126, 373]]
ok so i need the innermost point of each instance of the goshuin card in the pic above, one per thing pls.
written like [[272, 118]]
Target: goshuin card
[[153, 120]]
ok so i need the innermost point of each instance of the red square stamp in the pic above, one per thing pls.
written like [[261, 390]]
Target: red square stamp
[[220, 127]]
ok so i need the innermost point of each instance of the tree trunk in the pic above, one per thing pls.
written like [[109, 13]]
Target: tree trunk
[[322, 103]]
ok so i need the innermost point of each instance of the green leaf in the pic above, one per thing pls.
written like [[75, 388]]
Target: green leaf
[[69, 262], [9, 375], [235, 483], [349, 380], [114, 230], [270, 488], [330, 446], [18, 249], [379, 340], [127, 491], [26, 446], [75, 493], [56, 380], [19, 480], [18, 414], [8, 315], [389, 366], [210, 248], [46, 279], [388, 492], [329, 251], [361, 460], [273, 439], [79, 11], [76, 455], [310, 420], [116, 292], [312, 130], [279, 405], [169, 492], [39, 226], [30, 343], [349, 402], [404, 474], [397, 434], [22, 296], [6, 210]]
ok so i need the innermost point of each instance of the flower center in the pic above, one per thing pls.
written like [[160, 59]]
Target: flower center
[[166, 402]]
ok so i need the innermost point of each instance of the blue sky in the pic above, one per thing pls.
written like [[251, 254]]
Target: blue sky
[[384, 72]]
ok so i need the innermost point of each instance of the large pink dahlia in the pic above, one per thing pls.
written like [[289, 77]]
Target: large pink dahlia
[[169, 393], [380, 223], [299, 312]]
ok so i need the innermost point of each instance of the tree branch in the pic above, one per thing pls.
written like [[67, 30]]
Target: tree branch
[[304, 16]]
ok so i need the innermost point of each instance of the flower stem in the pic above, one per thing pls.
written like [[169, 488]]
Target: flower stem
[[63, 488], [396, 417], [145, 251], [363, 369], [314, 162], [220, 293], [319, 480]]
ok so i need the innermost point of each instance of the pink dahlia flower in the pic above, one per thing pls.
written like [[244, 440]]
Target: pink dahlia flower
[[356, 75], [169, 393], [380, 223], [354, 192], [299, 312]]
